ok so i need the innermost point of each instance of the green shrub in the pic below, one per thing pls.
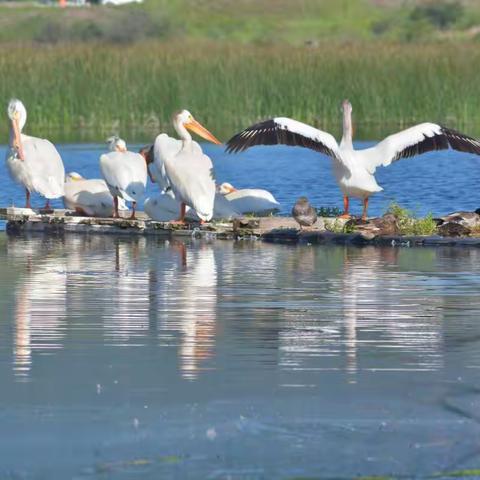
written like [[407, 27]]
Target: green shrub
[[328, 212], [440, 14], [408, 224]]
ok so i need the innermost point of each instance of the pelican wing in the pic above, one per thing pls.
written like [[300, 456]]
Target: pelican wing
[[125, 174], [284, 131], [192, 180], [45, 167], [416, 140]]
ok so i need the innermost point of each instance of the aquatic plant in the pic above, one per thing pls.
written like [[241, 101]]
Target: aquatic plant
[[409, 224], [336, 225], [328, 212]]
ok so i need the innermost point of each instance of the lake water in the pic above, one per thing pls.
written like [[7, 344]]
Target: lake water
[[142, 358], [127, 358], [437, 182]]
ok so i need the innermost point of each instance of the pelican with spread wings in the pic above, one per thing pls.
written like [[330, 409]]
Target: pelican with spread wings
[[354, 169]]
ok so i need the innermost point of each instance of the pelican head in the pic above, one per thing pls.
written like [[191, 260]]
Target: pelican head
[[73, 177], [347, 107], [184, 119], [18, 116], [226, 188], [17, 112], [116, 144]]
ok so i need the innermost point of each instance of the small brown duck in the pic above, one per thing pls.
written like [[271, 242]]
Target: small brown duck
[[304, 213]]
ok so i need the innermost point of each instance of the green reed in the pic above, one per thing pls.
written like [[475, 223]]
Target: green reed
[[102, 89]]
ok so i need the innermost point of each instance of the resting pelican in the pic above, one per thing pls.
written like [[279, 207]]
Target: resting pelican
[[354, 169], [164, 208], [125, 174], [183, 168], [249, 200], [33, 162], [89, 197]]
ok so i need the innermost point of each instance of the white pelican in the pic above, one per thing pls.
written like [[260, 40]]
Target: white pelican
[[125, 173], [33, 162], [183, 168], [116, 144], [354, 169], [249, 200], [164, 208], [89, 197]]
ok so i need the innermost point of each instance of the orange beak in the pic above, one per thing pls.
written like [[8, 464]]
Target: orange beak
[[200, 130], [17, 139]]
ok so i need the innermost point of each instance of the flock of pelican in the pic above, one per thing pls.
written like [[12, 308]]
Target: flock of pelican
[[185, 175]]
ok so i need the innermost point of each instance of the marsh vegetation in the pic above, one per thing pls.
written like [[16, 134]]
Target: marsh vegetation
[[104, 88]]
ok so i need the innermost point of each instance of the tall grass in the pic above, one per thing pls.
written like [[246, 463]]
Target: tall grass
[[104, 88]]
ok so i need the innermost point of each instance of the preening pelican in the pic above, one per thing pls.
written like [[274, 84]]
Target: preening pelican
[[183, 168], [33, 162], [116, 144], [147, 153], [125, 174], [89, 197], [354, 169], [249, 200]]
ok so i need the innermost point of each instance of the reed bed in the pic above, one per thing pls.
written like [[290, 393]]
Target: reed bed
[[104, 89]]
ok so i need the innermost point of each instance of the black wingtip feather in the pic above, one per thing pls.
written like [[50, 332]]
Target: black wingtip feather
[[461, 142], [441, 141]]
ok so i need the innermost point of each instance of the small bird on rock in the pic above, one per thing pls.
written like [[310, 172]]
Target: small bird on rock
[[304, 213]]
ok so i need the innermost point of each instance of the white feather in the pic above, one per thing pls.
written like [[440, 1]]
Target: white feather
[[125, 174], [385, 151], [42, 170], [308, 131], [91, 196], [164, 208]]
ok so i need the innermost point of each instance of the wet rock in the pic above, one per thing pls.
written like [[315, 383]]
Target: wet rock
[[374, 227]]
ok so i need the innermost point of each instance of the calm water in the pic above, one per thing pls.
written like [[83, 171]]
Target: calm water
[[141, 358], [438, 182]]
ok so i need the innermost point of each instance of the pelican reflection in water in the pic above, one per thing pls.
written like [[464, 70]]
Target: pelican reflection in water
[[187, 305], [40, 304], [370, 303]]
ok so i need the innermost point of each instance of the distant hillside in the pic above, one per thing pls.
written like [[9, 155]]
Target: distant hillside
[[246, 21]]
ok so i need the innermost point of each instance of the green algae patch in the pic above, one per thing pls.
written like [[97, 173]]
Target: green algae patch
[[460, 474]]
